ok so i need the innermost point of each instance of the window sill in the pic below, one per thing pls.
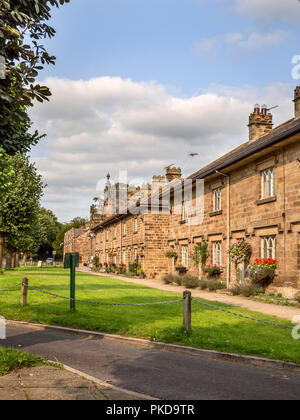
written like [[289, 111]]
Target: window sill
[[266, 200], [215, 213], [183, 222]]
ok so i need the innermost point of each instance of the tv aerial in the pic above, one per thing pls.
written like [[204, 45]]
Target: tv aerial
[[273, 107]]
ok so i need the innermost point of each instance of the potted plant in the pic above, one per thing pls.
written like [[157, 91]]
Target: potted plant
[[181, 269], [213, 270]]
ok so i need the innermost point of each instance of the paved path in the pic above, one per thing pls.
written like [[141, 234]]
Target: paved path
[[285, 312], [50, 383], [160, 374]]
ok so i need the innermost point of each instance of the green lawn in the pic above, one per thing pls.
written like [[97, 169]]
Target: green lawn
[[11, 359], [211, 329]]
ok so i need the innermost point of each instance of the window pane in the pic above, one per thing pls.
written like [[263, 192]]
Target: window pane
[[268, 189], [217, 200], [268, 247]]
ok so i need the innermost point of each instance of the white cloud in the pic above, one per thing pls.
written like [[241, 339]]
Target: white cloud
[[111, 124], [268, 10], [254, 41], [258, 41]]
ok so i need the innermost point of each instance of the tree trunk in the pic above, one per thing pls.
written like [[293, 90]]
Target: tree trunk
[[17, 264], [13, 260], [1, 249], [8, 258], [24, 260]]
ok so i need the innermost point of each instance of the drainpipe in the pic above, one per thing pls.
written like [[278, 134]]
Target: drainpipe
[[228, 225]]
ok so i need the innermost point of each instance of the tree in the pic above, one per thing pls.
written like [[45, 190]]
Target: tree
[[19, 205], [22, 26], [50, 227], [5, 171], [76, 223]]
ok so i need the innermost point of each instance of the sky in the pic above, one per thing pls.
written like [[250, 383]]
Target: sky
[[140, 84]]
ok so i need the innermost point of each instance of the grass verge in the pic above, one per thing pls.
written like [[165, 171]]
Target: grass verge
[[213, 330], [11, 359]]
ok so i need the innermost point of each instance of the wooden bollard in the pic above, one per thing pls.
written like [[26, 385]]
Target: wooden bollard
[[24, 292], [187, 310]]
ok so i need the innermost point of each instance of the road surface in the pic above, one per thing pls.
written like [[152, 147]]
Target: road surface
[[160, 374]]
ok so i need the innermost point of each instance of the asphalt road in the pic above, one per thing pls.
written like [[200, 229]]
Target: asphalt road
[[164, 375]]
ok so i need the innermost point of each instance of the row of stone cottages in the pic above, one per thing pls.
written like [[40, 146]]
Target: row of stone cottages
[[253, 192]]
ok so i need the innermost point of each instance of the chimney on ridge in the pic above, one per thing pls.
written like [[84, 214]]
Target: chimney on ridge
[[260, 122], [297, 102]]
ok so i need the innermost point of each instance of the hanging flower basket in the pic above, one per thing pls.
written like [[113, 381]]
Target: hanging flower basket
[[171, 254], [262, 271]]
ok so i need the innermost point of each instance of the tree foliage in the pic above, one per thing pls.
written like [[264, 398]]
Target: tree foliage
[[76, 223], [50, 227], [5, 171], [23, 23], [19, 206]]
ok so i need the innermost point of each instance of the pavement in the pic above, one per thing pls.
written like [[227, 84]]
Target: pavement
[[151, 372], [284, 312], [51, 383]]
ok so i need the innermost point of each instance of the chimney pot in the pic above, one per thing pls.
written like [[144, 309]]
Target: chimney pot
[[297, 102], [264, 109]]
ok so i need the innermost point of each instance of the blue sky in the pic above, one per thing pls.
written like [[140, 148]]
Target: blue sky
[[154, 39], [123, 65]]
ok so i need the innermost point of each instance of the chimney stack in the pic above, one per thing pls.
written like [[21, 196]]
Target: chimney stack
[[260, 123], [297, 102], [173, 173]]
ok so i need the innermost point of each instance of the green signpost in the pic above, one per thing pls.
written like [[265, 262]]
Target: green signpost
[[71, 261]]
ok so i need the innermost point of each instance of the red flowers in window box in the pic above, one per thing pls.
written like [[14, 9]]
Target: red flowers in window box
[[264, 261]]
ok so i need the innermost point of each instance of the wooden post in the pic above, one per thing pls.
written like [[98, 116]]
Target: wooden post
[[73, 264], [24, 292], [187, 310], [1, 249]]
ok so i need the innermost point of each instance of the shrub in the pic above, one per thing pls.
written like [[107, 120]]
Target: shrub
[[203, 284], [169, 279], [121, 269], [246, 291], [178, 280], [1, 272], [236, 291], [96, 261], [214, 286], [190, 282], [133, 267]]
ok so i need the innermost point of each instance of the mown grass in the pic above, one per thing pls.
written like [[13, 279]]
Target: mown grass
[[11, 359], [211, 329]]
